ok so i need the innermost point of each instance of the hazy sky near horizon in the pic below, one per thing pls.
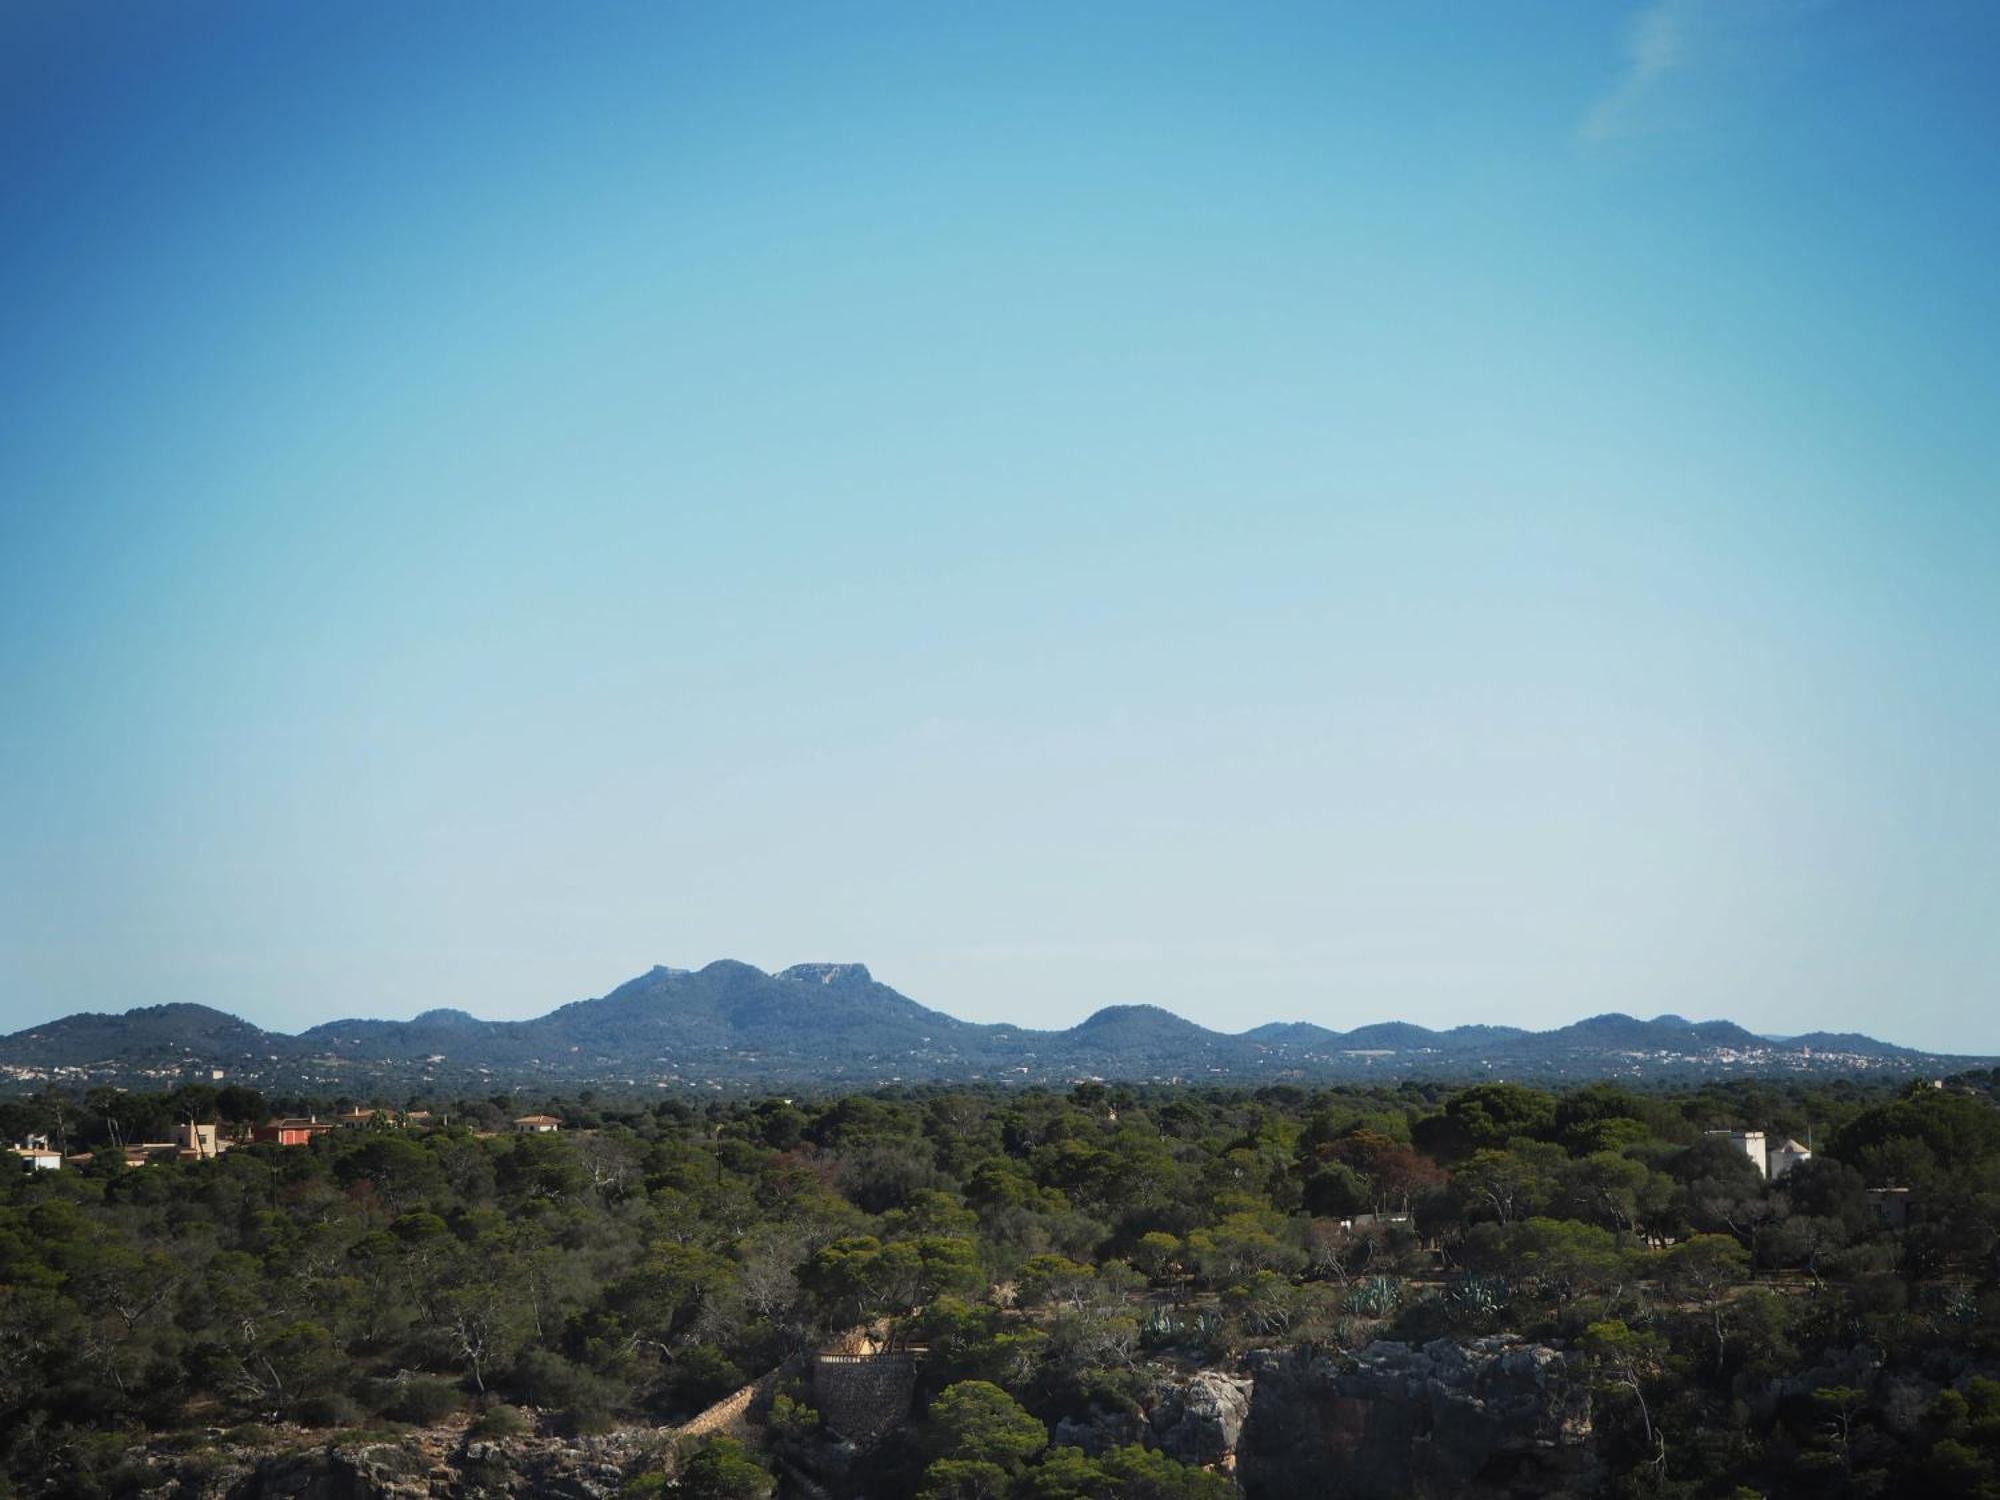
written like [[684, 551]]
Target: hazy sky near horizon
[[1338, 513]]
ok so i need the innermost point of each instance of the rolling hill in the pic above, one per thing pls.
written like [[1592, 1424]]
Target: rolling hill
[[730, 1024]]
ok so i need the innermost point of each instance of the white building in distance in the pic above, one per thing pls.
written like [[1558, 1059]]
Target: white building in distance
[[38, 1156], [1787, 1154], [1773, 1159]]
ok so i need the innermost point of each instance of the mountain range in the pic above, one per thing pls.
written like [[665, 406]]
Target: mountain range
[[834, 1025]]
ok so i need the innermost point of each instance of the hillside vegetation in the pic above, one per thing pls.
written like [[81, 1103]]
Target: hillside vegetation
[[1052, 1253]]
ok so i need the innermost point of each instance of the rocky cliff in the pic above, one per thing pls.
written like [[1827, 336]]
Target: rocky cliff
[[421, 1465], [1486, 1419], [1489, 1419], [1193, 1418]]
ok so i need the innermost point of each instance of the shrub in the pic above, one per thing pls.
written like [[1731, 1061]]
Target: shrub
[[501, 1421], [544, 1378], [587, 1419], [723, 1469], [328, 1411], [423, 1402]]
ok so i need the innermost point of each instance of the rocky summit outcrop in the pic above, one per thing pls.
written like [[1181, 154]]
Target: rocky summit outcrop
[[1486, 1419]]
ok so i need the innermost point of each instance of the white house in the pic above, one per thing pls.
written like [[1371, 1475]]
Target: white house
[[1787, 1154], [1751, 1144], [537, 1125], [1773, 1160], [38, 1156]]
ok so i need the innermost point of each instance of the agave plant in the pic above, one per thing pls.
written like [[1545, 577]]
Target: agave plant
[[1376, 1297], [1481, 1295]]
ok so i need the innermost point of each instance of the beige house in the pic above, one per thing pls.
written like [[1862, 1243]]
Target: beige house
[[198, 1142], [537, 1125]]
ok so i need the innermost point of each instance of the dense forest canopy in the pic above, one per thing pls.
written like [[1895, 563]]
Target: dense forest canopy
[[1046, 1250]]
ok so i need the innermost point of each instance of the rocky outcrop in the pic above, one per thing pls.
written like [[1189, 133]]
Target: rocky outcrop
[[1486, 1419], [429, 1465], [370, 1471], [1195, 1418], [578, 1468], [1199, 1420], [1099, 1431]]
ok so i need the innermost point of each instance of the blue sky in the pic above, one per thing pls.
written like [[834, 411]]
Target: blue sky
[[1433, 512]]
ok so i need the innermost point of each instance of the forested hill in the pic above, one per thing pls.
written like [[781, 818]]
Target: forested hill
[[835, 1025]]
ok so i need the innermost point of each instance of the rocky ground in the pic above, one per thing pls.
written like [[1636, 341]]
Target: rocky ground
[[447, 1463], [1488, 1417], [1484, 1418]]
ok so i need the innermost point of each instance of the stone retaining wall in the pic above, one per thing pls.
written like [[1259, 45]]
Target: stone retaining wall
[[862, 1397]]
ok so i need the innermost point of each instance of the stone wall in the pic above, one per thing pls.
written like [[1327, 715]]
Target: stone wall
[[738, 1414], [727, 1416], [862, 1397]]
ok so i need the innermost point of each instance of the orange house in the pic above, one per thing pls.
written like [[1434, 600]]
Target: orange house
[[292, 1132]]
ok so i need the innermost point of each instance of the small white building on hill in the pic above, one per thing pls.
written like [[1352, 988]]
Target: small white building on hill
[[38, 1156], [1773, 1159], [1787, 1154]]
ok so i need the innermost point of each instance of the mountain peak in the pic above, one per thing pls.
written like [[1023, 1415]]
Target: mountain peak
[[1291, 1033], [834, 1023], [1133, 1015], [828, 974], [722, 968]]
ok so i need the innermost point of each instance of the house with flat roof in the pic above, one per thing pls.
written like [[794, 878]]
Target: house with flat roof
[[38, 1156], [1890, 1205], [292, 1131]]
